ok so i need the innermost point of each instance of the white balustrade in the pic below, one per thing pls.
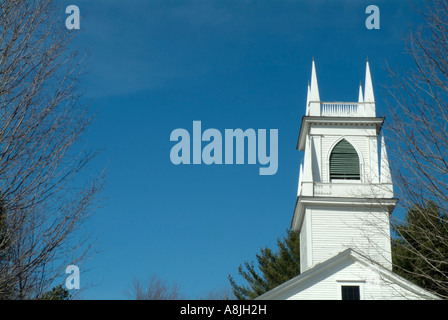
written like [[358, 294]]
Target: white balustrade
[[360, 190], [340, 109]]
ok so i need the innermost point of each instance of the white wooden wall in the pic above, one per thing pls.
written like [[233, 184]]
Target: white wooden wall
[[327, 285], [332, 230]]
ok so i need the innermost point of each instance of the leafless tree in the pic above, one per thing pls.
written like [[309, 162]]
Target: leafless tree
[[155, 289], [418, 143], [41, 122], [218, 294]]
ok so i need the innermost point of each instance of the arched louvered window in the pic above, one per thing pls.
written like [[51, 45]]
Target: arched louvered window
[[344, 162]]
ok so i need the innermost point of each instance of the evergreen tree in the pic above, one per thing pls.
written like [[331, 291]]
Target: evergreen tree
[[57, 293], [420, 247], [273, 268]]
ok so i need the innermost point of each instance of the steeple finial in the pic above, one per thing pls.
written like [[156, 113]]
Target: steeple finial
[[368, 93], [314, 90]]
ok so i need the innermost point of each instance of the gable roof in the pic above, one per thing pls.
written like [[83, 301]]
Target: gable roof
[[338, 259]]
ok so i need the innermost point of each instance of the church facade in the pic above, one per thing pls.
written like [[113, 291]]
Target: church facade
[[344, 200]]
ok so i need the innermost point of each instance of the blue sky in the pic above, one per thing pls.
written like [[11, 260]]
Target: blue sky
[[155, 66]]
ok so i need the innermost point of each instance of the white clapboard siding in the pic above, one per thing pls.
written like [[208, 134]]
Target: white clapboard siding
[[340, 228], [327, 285]]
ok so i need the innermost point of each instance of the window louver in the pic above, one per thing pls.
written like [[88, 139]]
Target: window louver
[[344, 162]]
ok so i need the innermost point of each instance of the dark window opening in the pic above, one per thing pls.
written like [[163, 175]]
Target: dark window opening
[[344, 162], [350, 293]]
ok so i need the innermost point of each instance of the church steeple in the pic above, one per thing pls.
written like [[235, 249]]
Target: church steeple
[[344, 185], [343, 205]]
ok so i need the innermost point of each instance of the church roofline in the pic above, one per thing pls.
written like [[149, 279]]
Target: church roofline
[[337, 259]]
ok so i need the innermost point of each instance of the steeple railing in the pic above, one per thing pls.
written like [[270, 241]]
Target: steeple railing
[[340, 109], [359, 190]]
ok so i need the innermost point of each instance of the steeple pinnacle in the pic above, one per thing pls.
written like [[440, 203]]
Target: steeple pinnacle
[[360, 97], [368, 93], [314, 90]]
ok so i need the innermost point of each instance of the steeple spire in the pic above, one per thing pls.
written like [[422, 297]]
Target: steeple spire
[[314, 90], [368, 93], [360, 97]]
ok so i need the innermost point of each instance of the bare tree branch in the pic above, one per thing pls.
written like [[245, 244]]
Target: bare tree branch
[[418, 136], [41, 122]]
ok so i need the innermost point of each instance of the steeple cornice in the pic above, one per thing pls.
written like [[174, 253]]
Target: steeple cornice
[[335, 121]]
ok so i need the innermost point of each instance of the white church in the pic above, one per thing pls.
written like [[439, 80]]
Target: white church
[[345, 196]]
